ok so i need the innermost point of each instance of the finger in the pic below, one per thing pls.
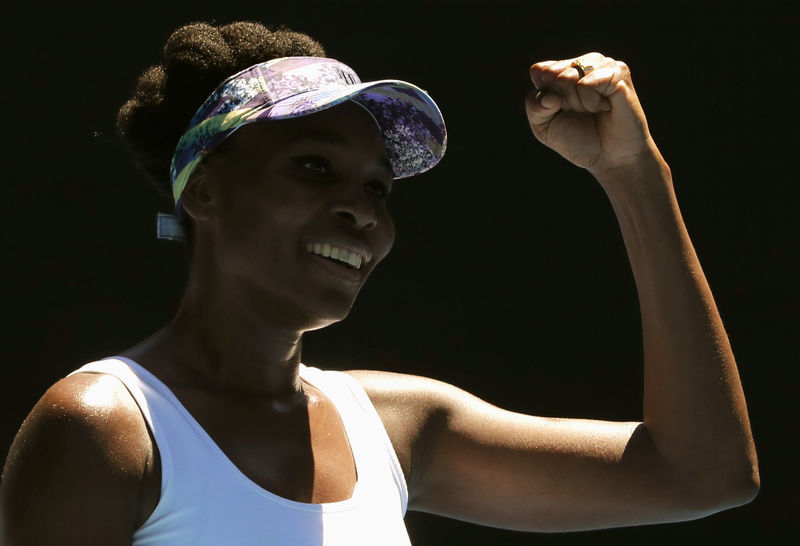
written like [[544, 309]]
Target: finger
[[565, 84], [536, 72], [550, 100], [541, 107], [605, 83], [589, 61], [543, 72], [562, 77], [613, 83], [555, 78], [590, 89]]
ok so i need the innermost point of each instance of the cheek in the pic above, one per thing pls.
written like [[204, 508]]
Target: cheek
[[249, 206], [257, 222]]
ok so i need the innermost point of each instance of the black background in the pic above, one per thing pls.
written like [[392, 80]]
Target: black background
[[508, 277]]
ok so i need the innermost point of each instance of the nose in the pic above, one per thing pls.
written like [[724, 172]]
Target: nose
[[357, 212]]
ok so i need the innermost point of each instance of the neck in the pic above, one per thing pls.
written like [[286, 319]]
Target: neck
[[227, 356], [227, 341]]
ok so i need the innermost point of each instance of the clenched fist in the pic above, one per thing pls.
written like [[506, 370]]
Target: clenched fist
[[586, 109]]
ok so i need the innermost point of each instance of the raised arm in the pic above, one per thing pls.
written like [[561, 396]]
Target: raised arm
[[692, 453], [694, 408]]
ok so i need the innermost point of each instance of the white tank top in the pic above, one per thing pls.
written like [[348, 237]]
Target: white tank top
[[207, 500]]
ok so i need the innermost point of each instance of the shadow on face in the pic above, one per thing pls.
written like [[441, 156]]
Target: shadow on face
[[291, 215]]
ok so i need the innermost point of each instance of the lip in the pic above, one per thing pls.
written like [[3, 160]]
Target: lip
[[350, 275], [348, 244]]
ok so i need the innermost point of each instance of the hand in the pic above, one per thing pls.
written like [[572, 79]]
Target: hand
[[594, 121]]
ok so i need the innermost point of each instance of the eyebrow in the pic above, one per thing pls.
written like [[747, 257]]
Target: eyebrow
[[337, 139]]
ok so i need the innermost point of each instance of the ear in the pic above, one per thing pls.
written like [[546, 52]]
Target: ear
[[200, 197]]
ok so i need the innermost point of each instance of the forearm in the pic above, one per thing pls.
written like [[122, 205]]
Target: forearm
[[694, 406]]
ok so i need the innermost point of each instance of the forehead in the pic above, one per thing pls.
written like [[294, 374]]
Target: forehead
[[344, 125]]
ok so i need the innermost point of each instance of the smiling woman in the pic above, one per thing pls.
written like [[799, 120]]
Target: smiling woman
[[282, 187], [214, 431]]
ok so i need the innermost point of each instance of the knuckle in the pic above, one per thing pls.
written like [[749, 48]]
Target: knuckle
[[564, 76], [551, 70], [623, 87], [541, 65]]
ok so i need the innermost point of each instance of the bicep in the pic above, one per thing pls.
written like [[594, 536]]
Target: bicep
[[487, 465], [470, 460], [74, 469]]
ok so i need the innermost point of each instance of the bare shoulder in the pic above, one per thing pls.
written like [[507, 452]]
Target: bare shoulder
[[88, 414], [83, 451], [416, 393], [413, 408]]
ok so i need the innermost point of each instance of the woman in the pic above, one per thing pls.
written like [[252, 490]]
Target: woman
[[211, 431]]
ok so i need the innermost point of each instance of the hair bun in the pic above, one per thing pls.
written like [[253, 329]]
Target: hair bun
[[195, 59]]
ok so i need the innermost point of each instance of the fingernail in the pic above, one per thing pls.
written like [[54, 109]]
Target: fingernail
[[548, 101]]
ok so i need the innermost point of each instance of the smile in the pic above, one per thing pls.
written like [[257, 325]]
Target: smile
[[340, 254]]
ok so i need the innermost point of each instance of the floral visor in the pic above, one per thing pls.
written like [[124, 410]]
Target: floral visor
[[411, 124]]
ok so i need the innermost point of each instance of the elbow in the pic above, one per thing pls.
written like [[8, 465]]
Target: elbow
[[739, 493], [743, 486], [725, 492], [748, 487]]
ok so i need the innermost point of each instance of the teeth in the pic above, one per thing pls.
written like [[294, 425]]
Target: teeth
[[337, 253]]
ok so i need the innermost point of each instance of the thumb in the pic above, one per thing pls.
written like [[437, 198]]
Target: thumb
[[541, 107]]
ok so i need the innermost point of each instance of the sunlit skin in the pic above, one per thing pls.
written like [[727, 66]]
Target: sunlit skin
[[254, 289], [232, 353], [274, 188]]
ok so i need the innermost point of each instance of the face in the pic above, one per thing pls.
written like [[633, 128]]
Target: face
[[297, 215]]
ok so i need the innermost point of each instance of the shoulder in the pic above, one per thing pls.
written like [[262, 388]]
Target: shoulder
[[83, 450], [91, 414], [405, 401], [414, 410], [415, 394]]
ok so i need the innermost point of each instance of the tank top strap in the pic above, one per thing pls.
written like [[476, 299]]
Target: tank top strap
[[355, 407], [206, 501]]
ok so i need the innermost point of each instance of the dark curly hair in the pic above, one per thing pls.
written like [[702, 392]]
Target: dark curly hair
[[196, 58]]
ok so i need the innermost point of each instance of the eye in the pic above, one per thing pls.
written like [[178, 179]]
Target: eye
[[313, 163], [378, 188]]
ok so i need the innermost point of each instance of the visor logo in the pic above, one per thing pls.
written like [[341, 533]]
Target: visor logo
[[347, 77]]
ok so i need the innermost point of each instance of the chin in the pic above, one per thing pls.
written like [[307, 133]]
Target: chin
[[330, 316], [327, 310]]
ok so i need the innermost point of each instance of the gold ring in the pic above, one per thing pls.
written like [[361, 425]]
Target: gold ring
[[581, 68]]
